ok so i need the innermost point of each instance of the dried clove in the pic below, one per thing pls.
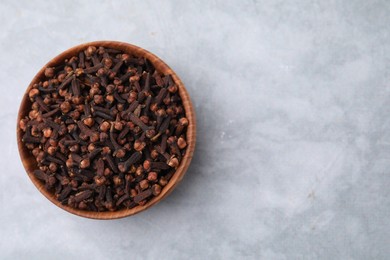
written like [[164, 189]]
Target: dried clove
[[106, 128]]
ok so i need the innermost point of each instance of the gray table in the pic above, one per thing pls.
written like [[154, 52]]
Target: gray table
[[293, 107]]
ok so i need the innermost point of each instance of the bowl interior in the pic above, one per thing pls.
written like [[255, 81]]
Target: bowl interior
[[29, 161]]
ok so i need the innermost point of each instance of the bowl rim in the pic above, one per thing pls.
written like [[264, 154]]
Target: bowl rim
[[29, 162]]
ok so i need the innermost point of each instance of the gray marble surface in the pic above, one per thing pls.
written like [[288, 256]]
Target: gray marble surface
[[293, 151]]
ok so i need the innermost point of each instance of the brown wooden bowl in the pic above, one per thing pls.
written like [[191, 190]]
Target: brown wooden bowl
[[30, 163]]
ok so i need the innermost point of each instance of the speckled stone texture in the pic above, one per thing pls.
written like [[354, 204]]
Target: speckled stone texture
[[293, 108]]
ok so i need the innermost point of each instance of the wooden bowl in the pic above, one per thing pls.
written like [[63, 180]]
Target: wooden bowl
[[29, 161]]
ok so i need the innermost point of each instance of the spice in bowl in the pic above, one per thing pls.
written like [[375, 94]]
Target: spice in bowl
[[106, 129]]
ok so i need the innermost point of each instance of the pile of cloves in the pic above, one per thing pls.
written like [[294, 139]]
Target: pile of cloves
[[107, 130]]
